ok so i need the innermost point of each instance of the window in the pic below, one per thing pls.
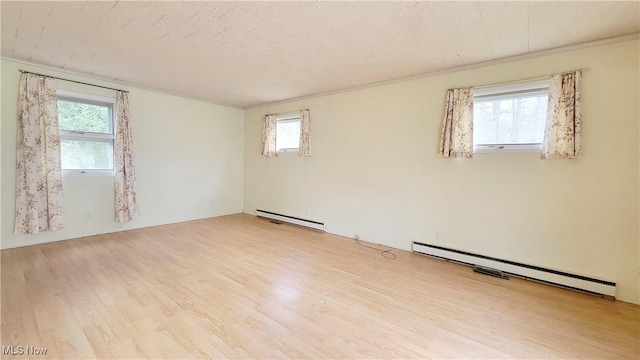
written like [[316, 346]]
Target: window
[[288, 133], [510, 118], [86, 133]]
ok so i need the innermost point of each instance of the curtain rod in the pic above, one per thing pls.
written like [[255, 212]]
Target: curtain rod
[[73, 81], [290, 113], [526, 80]]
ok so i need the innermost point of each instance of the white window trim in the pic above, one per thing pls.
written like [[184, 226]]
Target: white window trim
[[285, 118], [89, 136], [88, 173], [507, 91], [510, 88], [288, 151], [83, 96], [507, 148]]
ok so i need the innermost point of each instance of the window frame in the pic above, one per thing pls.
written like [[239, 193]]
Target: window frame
[[509, 91], [287, 118], [74, 135]]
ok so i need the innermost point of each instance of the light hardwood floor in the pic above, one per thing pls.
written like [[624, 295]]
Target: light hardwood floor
[[242, 287]]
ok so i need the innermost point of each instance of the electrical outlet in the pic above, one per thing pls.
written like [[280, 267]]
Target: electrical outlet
[[88, 215], [438, 235]]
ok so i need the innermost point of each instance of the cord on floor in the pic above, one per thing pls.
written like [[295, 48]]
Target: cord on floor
[[387, 254]]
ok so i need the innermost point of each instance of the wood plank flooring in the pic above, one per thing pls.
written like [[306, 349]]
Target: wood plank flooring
[[242, 287]]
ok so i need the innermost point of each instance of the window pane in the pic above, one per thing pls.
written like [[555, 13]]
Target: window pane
[[78, 116], [86, 155], [287, 134], [518, 120]]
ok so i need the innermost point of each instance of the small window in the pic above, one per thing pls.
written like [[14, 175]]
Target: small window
[[86, 133], [288, 133], [510, 118]]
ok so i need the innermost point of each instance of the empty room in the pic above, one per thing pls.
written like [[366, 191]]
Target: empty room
[[320, 180]]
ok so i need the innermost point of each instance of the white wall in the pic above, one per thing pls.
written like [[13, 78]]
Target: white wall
[[188, 157], [375, 172]]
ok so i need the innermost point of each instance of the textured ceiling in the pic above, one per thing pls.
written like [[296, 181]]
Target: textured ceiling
[[248, 53]]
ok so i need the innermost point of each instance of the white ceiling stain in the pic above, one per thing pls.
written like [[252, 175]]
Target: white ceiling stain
[[248, 53]]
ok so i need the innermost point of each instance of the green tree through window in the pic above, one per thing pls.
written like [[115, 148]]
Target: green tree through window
[[86, 132], [78, 116]]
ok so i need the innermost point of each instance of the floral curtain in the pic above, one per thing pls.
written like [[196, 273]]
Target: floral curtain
[[269, 135], [305, 147], [563, 129], [126, 201], [456, 140], [38, 173]]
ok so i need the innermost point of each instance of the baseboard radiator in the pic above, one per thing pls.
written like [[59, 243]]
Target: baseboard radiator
[[315, 225], [536, 273]]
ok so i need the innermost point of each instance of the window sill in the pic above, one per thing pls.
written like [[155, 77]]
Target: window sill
[[508, 149], [88, 173], [287, 152]]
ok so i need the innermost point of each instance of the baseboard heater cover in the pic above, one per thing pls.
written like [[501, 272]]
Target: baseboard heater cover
[[315, 225], [549, 276], [491, 272]]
